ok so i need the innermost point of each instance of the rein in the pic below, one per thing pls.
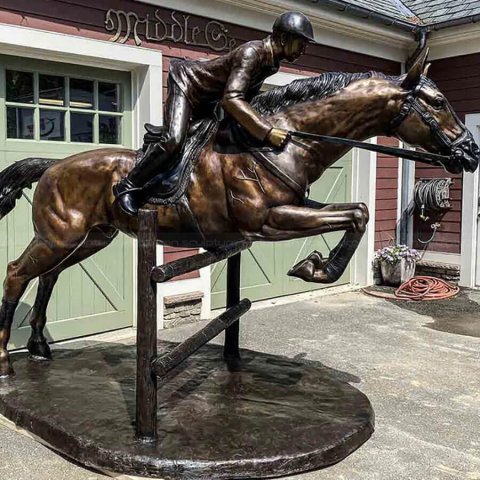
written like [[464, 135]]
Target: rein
[[425, 157]]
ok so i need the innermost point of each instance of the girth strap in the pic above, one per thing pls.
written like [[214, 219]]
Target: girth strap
[[264, 161]]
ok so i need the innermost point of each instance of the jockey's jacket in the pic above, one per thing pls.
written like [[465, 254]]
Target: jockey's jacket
[[232, 79]]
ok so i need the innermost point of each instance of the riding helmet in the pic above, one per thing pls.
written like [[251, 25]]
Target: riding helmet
[[295, 23]]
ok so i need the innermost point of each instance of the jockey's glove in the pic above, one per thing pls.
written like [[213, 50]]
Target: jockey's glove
[[278, 137]]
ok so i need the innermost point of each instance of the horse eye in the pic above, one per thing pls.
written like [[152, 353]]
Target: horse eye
[[438, 103]]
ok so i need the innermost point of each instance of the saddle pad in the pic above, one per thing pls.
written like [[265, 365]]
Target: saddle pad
[[176, 180]]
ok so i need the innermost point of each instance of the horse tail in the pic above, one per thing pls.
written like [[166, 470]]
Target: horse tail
[[16, 177]]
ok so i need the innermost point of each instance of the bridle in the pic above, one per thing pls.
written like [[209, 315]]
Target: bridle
[[454, 149], [412, 104]]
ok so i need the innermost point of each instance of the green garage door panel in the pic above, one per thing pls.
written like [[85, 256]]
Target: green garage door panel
[[95, 295], [264, 266]]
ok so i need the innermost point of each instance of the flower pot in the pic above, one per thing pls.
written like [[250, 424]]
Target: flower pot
[[397, 273]]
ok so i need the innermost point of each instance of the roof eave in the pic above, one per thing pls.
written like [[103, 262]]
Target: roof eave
[[370, 14]]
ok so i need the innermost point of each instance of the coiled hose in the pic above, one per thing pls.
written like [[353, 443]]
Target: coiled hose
[[419, 288]]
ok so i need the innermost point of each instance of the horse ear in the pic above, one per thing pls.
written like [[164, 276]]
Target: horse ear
[[415, 72], [426, 69]]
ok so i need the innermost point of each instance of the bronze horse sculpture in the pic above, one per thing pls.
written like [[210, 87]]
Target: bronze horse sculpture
[[231, 196]]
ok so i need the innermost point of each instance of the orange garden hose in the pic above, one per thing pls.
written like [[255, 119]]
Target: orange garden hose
[[420, 288]]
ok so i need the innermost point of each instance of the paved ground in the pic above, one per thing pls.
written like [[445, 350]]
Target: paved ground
[[422, 381]]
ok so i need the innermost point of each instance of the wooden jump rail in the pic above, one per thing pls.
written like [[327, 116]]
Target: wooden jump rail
[[149, 365]]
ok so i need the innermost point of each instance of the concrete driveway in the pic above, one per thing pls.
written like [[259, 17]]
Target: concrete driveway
[[420, 373]]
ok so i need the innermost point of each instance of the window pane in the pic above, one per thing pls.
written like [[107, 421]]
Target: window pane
[[81, 93], [52, 90], [81, 127], [19, 87], [52, 125], [20, 122], [109, 129], [108, 97]]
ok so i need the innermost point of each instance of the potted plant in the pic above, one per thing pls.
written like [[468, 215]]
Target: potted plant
[[397, 263]]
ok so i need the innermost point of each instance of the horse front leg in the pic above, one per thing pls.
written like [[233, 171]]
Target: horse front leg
[[288, 222]]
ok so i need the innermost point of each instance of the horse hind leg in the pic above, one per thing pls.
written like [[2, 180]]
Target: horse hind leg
[[37, 259], [37, 344]]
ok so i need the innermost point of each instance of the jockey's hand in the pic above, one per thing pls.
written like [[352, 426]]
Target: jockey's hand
[[278, 137]]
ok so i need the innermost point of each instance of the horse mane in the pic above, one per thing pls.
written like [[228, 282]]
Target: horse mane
[[305, 89]]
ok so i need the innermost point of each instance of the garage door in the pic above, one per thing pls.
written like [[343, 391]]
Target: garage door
[[265, 265], [55, 110]]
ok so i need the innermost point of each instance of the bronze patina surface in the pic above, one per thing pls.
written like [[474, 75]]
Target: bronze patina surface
[[231, 196], [273, 417]]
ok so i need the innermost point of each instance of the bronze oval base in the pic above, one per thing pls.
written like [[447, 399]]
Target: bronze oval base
[[272, 417]]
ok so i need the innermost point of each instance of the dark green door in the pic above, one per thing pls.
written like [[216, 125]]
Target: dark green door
[[265, 265], [55, 110]]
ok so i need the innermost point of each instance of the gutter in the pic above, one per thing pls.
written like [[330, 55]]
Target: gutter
[[417, 29], [455, 22], [369, 14]]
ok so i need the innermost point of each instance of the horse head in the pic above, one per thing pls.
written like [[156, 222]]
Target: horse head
[[425, 119]]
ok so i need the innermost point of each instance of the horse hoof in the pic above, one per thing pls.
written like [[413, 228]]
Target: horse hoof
[[234, 363], [317, 259], [6, 371], [304, 269], [39, 350]]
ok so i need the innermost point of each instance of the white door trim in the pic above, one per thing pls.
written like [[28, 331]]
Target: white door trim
[[364, 184], [470, 192]]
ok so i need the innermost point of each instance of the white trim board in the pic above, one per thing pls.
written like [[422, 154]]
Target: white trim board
[[454, 41], [364, 184], [60, 47], [470, 192]]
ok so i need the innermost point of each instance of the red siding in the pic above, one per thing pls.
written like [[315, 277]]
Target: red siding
[[386, 196], [458, 78], [174, 253]]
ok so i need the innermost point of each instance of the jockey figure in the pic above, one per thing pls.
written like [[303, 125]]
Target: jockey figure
[[196, 87]]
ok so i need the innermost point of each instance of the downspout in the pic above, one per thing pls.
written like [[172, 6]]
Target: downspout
[[421, 36], [408, 167]]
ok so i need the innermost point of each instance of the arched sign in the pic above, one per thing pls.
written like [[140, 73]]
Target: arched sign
[[213, 35]]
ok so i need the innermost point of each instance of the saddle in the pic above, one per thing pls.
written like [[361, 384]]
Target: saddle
[[228, 138], [232, 138], [175, 180]]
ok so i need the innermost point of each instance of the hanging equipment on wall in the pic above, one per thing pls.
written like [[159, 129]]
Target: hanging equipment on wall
[[432, 195]]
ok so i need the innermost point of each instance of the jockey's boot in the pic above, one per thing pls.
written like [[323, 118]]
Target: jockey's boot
[[130, 191]]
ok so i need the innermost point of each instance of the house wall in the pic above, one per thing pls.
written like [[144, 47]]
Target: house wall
[[458, 78]]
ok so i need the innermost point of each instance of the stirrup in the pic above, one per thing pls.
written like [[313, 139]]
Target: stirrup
[[156, 130], [123, 187], [128, 201]]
